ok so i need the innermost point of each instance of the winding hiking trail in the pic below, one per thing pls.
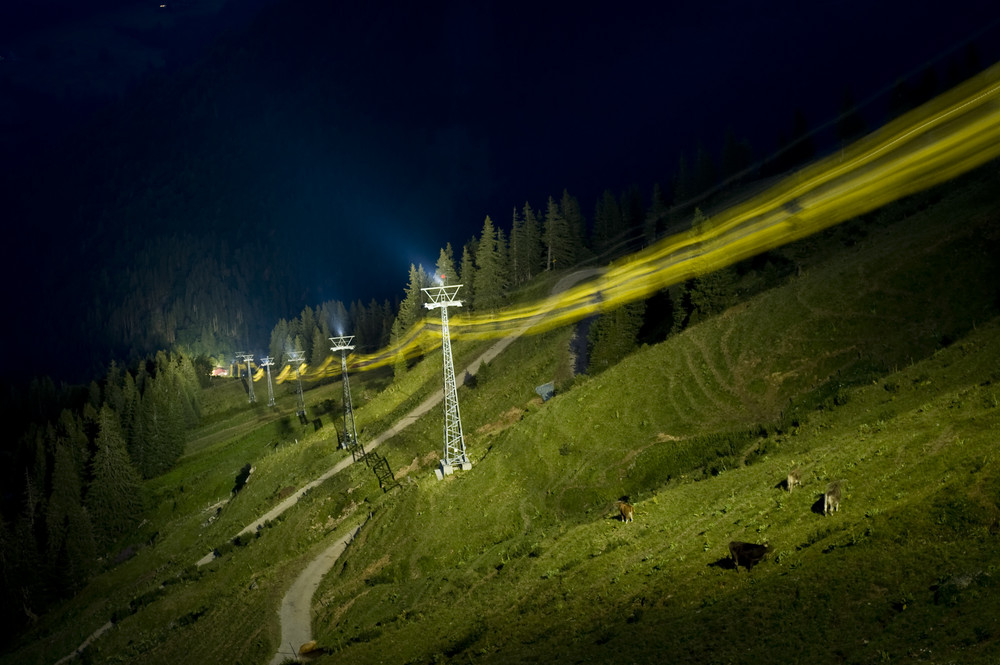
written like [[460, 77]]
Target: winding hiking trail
[[296, 607]]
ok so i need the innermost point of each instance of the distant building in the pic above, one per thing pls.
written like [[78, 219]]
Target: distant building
[[220, 371]]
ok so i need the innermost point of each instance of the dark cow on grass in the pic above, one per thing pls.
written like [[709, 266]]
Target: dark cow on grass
[[747, 554], [626, 511]]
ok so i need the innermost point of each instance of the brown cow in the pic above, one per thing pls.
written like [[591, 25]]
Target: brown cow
[[626, 511], [831, 499], [794, 478], [747, 554]]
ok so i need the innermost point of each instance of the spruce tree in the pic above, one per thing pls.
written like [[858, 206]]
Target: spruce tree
[[490, 281], [526, 252], [656, 216], [467, 274], [713, 293], [575, 227], [190, 389], [503, 252], [516, 239], [279, 342], [613, 335], [320, 348], [131, 417], [411, 309], [681, 301], [607, 223], [70, 539], [558, 238], [445, 267], [308, 331], [113, 499]]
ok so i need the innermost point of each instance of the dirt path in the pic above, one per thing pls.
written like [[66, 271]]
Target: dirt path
[[86, 643], [296, 606], [407, 420]]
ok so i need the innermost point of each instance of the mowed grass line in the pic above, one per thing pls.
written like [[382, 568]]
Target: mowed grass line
[[861, 582], [565, 463]]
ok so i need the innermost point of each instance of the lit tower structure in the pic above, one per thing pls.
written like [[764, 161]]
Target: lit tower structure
[[247, 357], [266, 363], [236, 361], [297, 357], [343, 344], [443, 297]]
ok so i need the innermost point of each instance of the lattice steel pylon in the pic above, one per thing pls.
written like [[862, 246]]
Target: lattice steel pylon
[[247, 357], [266, 363], [343, 344], [297, 357], [443, 297]]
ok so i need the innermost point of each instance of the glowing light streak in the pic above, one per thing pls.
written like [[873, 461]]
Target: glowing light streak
[[936, 142]]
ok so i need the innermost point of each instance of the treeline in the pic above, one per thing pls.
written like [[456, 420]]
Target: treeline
[[310, 332], [496, 262], [72, 477]]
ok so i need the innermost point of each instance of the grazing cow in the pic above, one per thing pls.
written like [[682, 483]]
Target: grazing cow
[[626, 510], [831, 499], [794, 478], [747, 554]]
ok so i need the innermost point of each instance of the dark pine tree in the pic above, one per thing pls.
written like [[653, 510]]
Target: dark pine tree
[[444, 269], [656, 217], [113, 499], [613, 335], [490, 286], [467, 273]]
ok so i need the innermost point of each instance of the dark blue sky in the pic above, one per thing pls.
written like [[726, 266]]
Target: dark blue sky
[[446, 112]]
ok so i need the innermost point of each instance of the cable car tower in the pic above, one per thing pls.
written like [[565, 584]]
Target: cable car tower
[[266, 363], [343, 344], [443, 297], [247, 357], [297, 357]]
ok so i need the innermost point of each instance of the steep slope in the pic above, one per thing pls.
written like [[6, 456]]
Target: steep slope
[[518, 561]]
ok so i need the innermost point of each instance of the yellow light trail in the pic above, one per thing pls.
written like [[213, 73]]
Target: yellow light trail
[[936, 142]]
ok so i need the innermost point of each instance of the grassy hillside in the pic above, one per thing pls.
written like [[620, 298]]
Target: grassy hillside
[[842, 372], [878, 365]]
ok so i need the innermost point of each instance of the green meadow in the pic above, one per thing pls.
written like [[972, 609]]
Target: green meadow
[[876, 365]]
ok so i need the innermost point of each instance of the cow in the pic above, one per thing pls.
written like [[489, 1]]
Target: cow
[[747, 554], [626, 511], [794, 478], [831, 498]]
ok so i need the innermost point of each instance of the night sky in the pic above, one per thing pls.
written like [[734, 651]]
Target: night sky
[[402, 125]]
